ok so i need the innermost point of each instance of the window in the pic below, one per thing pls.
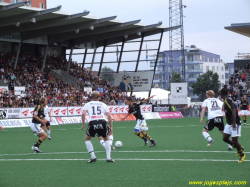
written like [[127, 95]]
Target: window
[[2, 0], [18, 1], [12, 1], [207, 59], [42, 5], [217, 68], [207, 68], [213, 68], [222, 76], [200, 57], [222, 69], [213, 59]]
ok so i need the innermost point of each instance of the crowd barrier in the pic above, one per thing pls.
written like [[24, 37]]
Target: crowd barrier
[[25, 122]]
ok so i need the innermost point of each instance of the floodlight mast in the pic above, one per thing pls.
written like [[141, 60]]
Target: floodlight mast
[[176, 37]]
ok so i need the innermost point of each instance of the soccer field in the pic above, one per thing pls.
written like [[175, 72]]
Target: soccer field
[[180, 157]]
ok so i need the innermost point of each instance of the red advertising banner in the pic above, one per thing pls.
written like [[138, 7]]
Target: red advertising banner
[[118, 117], [165, 115]]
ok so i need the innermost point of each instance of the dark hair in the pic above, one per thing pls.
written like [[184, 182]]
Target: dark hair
[[224, 91], [130, 99]]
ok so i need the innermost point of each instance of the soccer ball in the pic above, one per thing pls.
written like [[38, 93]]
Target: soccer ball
[[118, 144]]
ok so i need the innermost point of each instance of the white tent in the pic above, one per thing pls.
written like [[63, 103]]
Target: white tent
[[161, 96]]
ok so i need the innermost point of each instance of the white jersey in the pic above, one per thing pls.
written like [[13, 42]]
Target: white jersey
[[46, 113], [96, 110], [214, 107]]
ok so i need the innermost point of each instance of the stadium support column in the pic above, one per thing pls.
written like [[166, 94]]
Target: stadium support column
[[103, 52], [17, 54], [120, 57], [156, 60], [45, 56], [70, 55], [84, 58], [139, 54], [93, 60]]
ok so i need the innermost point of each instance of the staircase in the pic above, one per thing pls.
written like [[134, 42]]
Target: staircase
[[60, 74]]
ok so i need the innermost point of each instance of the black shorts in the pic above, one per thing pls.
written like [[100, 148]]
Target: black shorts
[[47, 124], [215, 122], [99, 128]]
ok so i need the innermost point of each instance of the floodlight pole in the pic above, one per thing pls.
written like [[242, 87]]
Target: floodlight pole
[[45, 56], [120, 57], [17, 54], [156, 60], [84, 58], [70, 55], [93, 59], [103, 52], [139, 54]]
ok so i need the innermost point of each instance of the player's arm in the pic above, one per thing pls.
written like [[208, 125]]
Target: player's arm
[[110, 121], [126, 116], [83, 118], [43, 120], [146, 100], [202, 113]]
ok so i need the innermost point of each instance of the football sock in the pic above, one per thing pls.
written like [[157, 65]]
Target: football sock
[[108, 149], [90, 148], [38, 142], [148, 137], [141, 136], [244, 119], [111, 139], [48, 132], [207, 136], [241, 152], [102, 142]]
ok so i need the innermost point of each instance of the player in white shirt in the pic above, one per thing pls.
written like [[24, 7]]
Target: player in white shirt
[[97, 125], [215, 116], [49, 119]]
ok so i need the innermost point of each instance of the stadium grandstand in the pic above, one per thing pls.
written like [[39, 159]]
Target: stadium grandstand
[[27, 34]]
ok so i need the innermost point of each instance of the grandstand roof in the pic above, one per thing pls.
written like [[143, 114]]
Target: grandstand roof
[[70, 30], [240, 28]]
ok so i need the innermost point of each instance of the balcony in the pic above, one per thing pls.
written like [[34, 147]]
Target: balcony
[[194, 62], [158, 81], [200, 70]]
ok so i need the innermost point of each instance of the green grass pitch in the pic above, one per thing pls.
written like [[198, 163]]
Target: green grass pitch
[[180, 156]]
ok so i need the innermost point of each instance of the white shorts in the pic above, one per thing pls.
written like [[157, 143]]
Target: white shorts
[[234, 133], [141, 125], [36, 128], [244, 112]]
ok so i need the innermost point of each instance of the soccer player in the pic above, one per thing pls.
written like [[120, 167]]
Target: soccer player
[[49, 119], [215, 116], [1, 127], [97, 125], [233, 127], [38, 118], [244, 102], [141, 126]]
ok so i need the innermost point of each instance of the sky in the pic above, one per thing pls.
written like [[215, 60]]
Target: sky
[[204, 22]]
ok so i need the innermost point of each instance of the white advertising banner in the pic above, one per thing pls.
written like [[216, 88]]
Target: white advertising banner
[[123, 109], [88, 90], [146, 108], [19, 89], [74, 111], [151, 115], [4, 88], [136, 81], [59, 111], [178, 93], [115, 109], [27, 112], [69, 120], [13, 113]]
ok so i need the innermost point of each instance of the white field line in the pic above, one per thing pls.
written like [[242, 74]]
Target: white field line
[[134, 159], [118, 151]]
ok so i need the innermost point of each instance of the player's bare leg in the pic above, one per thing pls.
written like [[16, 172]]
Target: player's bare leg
[[48, 132], [229, 145], [42, 136]]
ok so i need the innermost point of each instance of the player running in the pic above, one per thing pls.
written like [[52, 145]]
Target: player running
[[38, 118], [215, 117], [244, 102], [141, 126], [97, 125], [49, 119], [233, 127]]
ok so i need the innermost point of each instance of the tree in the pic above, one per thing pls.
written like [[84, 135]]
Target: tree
[[176, 77], [107, 74], [205, 82]]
